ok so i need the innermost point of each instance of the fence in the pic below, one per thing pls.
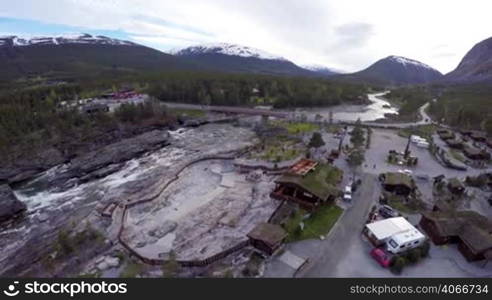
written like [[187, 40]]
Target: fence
[[191, 263]]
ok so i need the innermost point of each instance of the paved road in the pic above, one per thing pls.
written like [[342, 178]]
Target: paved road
[[332, 250], [229, 109], [424, 119]]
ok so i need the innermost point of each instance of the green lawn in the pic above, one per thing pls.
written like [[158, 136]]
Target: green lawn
[[276, 153], [297, 127], [414, 206], [318, 224], [425, 131], [132, 269], [192, 113]]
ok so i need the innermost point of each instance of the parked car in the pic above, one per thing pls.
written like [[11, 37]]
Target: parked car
[[423, 177], [406, 171], [387, 211], [381, 256], [347, 194], [490, 201]]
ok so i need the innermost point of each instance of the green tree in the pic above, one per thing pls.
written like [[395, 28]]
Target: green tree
[[170, 268], [316, 141], [356, 158], [398, 264], [357, 135]]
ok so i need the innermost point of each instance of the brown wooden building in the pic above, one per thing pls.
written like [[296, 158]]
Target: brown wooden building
[[455, 186], [267, 237], [476, 154], [309, 187], [470, 230], [445, 134], [398, 183]]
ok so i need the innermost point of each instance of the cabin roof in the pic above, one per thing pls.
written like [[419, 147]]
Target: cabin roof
[[472, 228], [270, 234], [398, 179], [320, 181]]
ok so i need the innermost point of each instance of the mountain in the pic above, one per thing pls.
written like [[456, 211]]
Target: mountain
[[397, 70], [476, 66], [76, 56], [322, 70], [241, 59]]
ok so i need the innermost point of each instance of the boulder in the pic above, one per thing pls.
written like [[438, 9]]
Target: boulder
[[10, 206]]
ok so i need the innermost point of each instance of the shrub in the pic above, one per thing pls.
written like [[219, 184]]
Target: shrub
[[414, 255], [64, 245], [425, 249], [397, 264]]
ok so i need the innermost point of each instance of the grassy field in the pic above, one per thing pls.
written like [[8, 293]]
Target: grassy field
[[414, 206], [192, 113], [318, 224], [132, 269], [277, 153], [425, 131], [297, 127]]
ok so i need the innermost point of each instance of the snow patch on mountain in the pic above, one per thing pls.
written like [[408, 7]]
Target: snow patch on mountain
[[226, 49], [18, 41], [319, 68], [406, 61]]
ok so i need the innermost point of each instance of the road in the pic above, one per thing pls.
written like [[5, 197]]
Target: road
[[229, 109], [331, 251], [425, 119]]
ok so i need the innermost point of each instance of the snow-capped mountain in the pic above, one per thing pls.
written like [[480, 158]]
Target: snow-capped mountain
[[80, 55], [408, 62], [320, 69], [17, 41], [397, 70], [226, 49], [242, 59]]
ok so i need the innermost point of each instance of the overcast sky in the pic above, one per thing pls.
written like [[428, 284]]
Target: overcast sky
[[342, 34]]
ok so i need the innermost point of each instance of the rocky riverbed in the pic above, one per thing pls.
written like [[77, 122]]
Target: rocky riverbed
[[74, 192]]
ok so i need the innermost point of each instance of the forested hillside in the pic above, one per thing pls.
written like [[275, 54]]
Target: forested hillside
[[468, 107], [229, 89], [31, 119]]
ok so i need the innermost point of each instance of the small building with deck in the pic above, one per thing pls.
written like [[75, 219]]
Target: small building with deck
[[470, 230], [398, 183], [309, 184], [267, 237]]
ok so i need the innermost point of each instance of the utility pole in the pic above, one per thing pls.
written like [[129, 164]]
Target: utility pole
[[407, 149]]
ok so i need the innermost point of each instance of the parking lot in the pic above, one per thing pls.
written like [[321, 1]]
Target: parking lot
[[443, 261]]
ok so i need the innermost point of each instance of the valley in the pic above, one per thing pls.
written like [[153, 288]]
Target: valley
[[222, 160]]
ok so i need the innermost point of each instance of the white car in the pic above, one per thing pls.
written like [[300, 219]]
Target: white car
[[347, 195], [406, 171]]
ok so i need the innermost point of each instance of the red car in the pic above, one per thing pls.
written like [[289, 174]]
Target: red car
[[381, 257]]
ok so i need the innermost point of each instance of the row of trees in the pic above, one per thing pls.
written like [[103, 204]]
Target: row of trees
[[240, 89], [31, 118]]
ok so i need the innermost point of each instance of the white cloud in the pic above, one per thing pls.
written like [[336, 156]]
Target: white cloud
[[348, 34]]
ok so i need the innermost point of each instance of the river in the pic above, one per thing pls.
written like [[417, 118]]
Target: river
[[366, 113]]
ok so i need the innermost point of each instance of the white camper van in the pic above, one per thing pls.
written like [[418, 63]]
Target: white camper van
[[423, 144], [396, 233], [417, 139], [404, 241]]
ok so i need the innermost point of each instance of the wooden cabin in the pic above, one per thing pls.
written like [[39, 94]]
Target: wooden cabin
[[470, 230], [476, 154], [455, 186], [267, 237], [398, 183], [446, 134], [309, 184]]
